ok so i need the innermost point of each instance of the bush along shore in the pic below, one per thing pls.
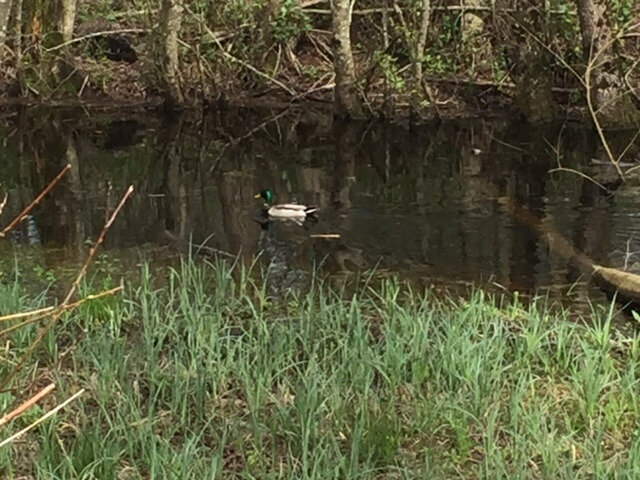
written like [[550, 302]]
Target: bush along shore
[[414, 58], [202, 375]]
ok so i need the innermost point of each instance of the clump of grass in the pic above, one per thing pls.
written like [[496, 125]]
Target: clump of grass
[[204, 376]]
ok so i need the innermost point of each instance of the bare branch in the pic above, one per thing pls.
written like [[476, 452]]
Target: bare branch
[[27, 404], [24, 213], [41, 419]]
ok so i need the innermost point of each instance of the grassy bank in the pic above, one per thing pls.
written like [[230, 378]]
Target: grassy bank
[[204, 377]]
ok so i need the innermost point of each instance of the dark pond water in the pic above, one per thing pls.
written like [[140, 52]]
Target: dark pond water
[[424, 202]]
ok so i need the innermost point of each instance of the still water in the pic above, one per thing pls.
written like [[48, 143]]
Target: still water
[[424, 202]]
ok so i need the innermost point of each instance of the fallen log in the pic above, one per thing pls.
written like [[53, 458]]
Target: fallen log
[[624, 286]]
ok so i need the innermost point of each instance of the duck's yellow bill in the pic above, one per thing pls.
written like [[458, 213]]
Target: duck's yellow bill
[[257, 195]]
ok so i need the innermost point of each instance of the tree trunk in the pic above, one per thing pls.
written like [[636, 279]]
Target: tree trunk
[[67, 19], [170, 21], [529, 63], [268, 13], [605, 84], [17, 29], [5, 9], [418, 54], [346, 99], [422, 40]]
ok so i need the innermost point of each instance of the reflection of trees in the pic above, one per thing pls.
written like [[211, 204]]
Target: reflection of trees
[[175, 209], [420, 195], [346, 142]]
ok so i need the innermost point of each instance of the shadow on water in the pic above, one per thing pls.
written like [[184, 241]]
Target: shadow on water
[[412, 201]]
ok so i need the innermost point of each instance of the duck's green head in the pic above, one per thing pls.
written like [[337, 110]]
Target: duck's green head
[[266, 195]]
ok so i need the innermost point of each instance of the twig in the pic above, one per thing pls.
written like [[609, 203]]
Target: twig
[[583, 175], [627, 79], [68, 307], [27, 404], [14, 316], [4, 202], [22, 214], [629, 145], [41, 419], [507, 144], [95, 34], [443, 8], [56, 315], [325, 235]]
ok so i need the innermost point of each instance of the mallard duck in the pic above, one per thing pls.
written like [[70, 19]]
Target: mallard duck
[[284, 210]]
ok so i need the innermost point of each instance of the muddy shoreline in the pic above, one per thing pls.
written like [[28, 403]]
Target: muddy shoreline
[[461, 109]]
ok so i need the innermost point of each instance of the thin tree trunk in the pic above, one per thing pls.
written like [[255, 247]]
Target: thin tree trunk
[[5, 9], [530, 64], [17, 29], [346, 99], [268, 13], [593, 25], [67, 19], [388, 103], [422, 40], [170, 21], [603, 77], [418, 54]]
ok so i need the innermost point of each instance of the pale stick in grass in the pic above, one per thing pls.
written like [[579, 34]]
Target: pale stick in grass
[[324, 235], [58, 312], [41, 419], [45, 310], [35, 201], [4, 202], [68, 307], [27, 404]]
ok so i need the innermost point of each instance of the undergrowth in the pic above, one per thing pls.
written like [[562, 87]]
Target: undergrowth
[[202, 375]]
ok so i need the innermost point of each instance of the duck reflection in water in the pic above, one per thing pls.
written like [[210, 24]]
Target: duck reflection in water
[[282, 276], [32, 237]]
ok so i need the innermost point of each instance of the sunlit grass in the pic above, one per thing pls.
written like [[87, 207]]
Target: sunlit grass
[[202, 375]]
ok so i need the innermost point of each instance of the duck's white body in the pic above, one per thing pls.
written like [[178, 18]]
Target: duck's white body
[[290, 210]]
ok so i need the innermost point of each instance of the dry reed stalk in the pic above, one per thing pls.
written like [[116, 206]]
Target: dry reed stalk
[[58, 312], [24, 213], [4, 202], [41, 419], [27, 404], [325, 235], [14, 316], [45, 310], [68, 307]]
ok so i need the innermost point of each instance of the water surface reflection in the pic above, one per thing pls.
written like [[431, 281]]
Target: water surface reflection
[[410, 200]]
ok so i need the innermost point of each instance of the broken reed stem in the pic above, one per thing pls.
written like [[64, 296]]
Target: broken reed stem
[[68, 307], [22, 214], [15, 316], [324, 235], [58, 312], [41, 419], [27, 404], [4, 202]]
